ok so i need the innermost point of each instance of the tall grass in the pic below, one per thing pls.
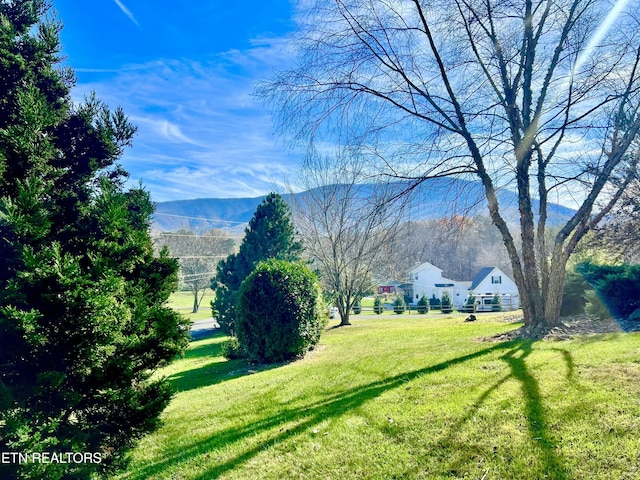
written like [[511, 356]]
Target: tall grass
[[408, 397]]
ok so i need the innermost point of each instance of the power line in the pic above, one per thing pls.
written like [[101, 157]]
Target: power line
[[197, 236], [197, 275], [200, 218], [189, 257]]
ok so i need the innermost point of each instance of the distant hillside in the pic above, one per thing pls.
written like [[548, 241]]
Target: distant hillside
[[204, 213], [436, 198]]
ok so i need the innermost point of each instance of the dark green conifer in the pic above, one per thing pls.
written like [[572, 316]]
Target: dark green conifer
[[270, 234], [83, 315]]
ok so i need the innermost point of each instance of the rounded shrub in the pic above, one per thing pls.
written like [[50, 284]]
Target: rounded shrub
[[280, 312], [445, 303], [231, 349], [378, 307], [357, 308], [423, 304], [399, 306]]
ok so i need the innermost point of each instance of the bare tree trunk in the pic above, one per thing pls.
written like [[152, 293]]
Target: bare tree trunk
[[515, 93], [196, 303]]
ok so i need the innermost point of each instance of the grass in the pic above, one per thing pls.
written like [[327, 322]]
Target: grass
[[182, 302], [405, 397]]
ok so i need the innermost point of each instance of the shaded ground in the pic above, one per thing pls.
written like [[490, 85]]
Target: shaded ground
[[203, 328], [570, 326]]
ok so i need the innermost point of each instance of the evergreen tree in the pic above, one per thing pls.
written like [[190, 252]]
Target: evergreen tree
[[83, 316], [270, 234]]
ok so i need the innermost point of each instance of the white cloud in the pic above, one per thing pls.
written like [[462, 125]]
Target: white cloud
[[126, 11], [201, 131]]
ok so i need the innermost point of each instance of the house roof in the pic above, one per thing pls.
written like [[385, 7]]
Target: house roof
[[480, 276], [424, 266]]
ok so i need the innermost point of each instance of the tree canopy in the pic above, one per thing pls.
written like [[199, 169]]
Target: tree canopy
[[83, 315], [540, 97], [270, 234]]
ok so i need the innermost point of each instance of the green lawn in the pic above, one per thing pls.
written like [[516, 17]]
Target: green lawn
[[182, 302], [405, 397]]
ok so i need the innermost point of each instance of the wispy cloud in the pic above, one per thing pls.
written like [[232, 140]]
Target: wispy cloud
[[201, 131], [127, 12]]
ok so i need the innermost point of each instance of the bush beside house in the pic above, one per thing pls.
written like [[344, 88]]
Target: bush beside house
[[446, 305], [399, 306], [377, 305], [423, 305]]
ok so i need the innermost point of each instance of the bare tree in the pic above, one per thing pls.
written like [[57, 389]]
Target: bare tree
[[536, 96], [345, 227], [459, 245], [621, 232], [198, 256]]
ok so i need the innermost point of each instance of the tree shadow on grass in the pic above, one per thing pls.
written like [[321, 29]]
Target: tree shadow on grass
[[301, 419], [537, 424], [215, 370], [208, 349], [534, 410]]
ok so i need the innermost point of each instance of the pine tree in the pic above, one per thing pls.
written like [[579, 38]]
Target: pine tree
[[83, 315], [270, 234]]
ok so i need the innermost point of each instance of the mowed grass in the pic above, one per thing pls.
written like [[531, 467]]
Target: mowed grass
[[405, 397], [182, 302]]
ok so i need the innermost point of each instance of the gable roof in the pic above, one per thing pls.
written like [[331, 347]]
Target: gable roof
[[424, 266], [480, 276]]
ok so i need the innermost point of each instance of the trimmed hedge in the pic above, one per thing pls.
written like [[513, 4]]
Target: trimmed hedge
[[280, 312], [618, 286]]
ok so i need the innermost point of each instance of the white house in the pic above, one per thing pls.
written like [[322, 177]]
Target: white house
[[492, 280], [427, 280]]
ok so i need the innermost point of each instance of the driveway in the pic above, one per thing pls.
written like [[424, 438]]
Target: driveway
[[203, 328]]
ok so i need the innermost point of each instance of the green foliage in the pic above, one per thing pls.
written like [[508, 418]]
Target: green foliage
[[423, 304], [496, 303], [270, 234], [434, 303], [573, 295], [232, 350], [399, 306], [83, 314], [618, 286], [378, 307], [445, 303], [280, 311], [470, 304], [594, 306], [357, 308]]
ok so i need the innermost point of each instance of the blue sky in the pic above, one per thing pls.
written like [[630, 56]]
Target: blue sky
[[185, 72]]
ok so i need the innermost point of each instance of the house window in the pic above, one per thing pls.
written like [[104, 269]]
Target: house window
[[496, 279], [416, 277]]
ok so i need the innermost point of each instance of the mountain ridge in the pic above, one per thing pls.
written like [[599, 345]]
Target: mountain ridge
[[433, 199]]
